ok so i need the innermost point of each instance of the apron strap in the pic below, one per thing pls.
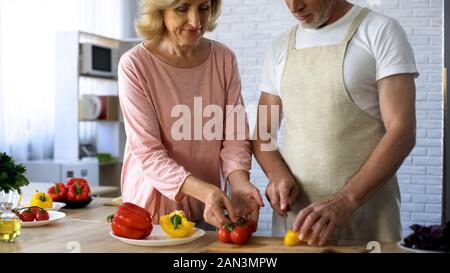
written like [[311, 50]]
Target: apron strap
[[292, 40], [355, 25]]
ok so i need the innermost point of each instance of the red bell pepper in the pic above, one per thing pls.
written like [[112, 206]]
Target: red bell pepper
[[78, 192], [127, 232], [58, 192], [132, 221], [80, 181], [138, 209]]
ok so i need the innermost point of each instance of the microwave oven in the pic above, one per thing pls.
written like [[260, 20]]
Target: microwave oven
[[97, 60]]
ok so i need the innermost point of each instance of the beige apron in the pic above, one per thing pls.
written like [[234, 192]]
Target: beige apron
[[328, 138]]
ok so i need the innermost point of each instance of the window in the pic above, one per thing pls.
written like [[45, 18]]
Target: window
[[27, 65]]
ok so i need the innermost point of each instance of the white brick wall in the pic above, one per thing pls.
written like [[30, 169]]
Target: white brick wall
[[248, 26]]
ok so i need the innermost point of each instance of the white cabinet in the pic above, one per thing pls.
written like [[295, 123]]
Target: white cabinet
[[51, 171], [73, 134]]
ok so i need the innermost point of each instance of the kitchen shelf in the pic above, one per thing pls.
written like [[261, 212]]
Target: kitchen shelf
[[106, 135], [114, 160], [100, 120], [98, 77]]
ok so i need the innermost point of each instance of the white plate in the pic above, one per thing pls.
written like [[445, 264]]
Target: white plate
[[402, 246], [53, 217], [160, 238], [56, 206]]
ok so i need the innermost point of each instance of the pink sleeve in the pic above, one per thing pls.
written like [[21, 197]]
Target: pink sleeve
[[143, 135], [236, 148]]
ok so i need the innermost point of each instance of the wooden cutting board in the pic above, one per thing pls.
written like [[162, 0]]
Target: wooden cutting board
[[275, 245]]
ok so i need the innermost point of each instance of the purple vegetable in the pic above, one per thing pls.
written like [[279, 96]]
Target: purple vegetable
[[429, 238]]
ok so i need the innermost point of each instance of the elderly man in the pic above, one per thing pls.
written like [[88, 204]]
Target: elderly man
[[343, 79]]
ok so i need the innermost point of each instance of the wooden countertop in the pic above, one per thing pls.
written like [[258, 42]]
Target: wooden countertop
[[87, 230]]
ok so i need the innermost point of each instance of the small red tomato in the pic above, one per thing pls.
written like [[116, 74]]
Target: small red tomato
[[34, 210], [252, 225], [240, 235], [224, 235], [27, 216], [42, 215]]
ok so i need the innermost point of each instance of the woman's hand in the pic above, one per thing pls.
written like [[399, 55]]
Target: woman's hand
[[215, 203], [214, 198], [246, 201], [245, 197]]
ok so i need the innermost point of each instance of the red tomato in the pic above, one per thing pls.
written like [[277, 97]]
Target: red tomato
[[240, 235], [27, 216], [34, 210], [224, 235], [42, 215], [252, 225]]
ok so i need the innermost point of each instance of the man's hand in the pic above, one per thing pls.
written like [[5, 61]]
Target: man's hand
[[317, 221], [282, 193], [283, 189]]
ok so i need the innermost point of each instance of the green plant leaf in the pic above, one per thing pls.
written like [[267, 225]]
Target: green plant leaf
[[12, 176]]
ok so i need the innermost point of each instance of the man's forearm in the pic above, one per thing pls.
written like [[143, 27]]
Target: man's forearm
[[271, 162], [382, 165]]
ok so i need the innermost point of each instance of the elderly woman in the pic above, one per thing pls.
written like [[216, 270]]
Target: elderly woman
[[173, 68]]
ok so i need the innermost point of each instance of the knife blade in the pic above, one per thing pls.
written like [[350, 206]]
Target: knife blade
[[285, 216]]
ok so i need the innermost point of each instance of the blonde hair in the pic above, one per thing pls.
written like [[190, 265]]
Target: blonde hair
[[150, 24]]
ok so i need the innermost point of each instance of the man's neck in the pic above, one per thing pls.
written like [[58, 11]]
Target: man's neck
[[339, 10]]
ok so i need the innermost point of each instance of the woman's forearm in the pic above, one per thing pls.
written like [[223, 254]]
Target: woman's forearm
[[238, 177], [197, 188]]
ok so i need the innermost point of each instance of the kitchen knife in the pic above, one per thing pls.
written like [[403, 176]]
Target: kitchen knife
[[285, 216]]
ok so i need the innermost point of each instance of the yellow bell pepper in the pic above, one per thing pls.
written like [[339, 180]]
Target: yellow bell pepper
[[291, 238], [42, 200], [176, 224]]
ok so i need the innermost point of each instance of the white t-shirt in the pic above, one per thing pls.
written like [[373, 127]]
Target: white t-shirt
[[380, 48]]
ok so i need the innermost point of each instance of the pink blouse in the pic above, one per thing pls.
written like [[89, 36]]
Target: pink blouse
[[155, 164]]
